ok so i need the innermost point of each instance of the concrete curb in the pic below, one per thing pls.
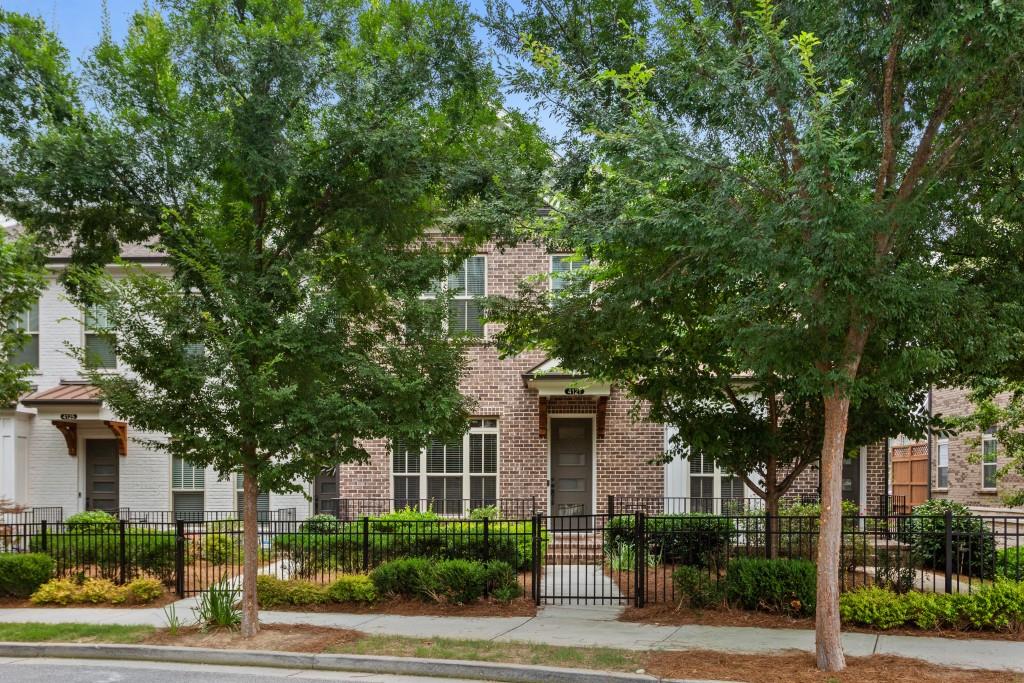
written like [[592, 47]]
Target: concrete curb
[[408, 666]]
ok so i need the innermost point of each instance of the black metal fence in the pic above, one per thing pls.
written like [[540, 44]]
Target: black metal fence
[[625, 559], [657, 505], [33, 514], [170, 516], [357, 508]]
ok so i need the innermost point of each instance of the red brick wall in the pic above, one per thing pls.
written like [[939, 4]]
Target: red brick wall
[[623, 457], [806, 485]]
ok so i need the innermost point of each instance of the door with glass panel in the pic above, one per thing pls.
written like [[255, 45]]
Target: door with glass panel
[[572, 468], [101, 466]]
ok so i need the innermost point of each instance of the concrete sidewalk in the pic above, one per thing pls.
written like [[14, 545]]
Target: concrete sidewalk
[[589, 626]]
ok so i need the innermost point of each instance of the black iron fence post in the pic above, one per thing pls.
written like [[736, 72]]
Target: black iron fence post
[[639, 557], [123, 558], [948, 519], [42, 535], [535, 565], [179, 558], [366, 543]]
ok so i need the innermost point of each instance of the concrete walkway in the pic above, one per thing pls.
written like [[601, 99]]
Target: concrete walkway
[[590, 626], [588, 584]]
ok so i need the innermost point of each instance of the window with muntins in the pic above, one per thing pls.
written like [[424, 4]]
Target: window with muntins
[[468, 286], [448, 476], [100, 351], [942, 473], [187, 486], [989, 466], [28, 323], [561, 267]]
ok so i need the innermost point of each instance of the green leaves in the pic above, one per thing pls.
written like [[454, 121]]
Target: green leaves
[[21, 280]]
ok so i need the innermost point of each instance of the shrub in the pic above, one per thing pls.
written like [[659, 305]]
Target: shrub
[[460, 581], [773, 585], [220, 548], [96, 591], [500, 575], [271, 591], [695, 539], [488, 512], [1010, 563], [405, 577], [22, 574], [90, 521], [307, 593], [321, 524], [92, 544], [56, 592], [696, 588], [998, 607], [352, 588], [974, 545], [141, 591], [151, 552]]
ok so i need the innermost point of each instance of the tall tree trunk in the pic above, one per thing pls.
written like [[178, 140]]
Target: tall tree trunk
[[827, 629], [250, 550], [771, 505]]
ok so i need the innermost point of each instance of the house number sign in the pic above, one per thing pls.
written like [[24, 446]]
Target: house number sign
[[69, 416], [574, 391]]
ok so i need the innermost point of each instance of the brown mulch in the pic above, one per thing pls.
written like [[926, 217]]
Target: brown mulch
[[800, 668], [668, 615], [523, 607], [167, 598], [279, 637]]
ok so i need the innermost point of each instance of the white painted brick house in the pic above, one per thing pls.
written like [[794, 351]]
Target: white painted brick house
[[61, 447]]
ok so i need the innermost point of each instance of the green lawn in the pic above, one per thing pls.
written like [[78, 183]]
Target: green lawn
[[73, 633], [490, 651]]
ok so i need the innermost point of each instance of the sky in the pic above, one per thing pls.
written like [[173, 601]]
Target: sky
[[78, 24]]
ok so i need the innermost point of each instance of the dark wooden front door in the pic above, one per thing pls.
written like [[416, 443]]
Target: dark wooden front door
[[851, 479], [572, 466], [101, 463], [325, 495]]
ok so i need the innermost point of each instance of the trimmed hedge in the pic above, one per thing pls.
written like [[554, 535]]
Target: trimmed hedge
[[274, 592], [324, 548], [998, 607], [773, 585], [22, 574], [974, 543], [98, 545], [1010, 563], [97, 591], [695, 539], [455, 581]]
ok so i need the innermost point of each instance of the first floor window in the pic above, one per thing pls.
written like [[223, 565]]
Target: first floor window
[[712, 490], [262, 499], [448, 476], [942, 473], [28, 323], [187, 490], [989, 447], [100, 351]]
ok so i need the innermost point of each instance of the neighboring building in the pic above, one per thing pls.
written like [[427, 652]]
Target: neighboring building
[[61, 447], [963, 467]]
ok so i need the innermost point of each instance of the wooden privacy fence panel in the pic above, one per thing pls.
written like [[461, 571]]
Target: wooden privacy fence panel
[[910, 472]]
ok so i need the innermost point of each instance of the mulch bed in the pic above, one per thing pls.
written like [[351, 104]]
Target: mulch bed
[[669, 615], [16, 603], [799, 668], [274, 637]]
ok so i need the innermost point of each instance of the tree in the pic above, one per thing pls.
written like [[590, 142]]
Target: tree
[[34, 88], [292, 159], [771, 184]]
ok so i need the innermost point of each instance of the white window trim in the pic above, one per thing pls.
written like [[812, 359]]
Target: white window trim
[[573, 266], [989, 438], [466, 475], [23, 322], [442, 288], [938, 464], [87, 330], [716, 486]]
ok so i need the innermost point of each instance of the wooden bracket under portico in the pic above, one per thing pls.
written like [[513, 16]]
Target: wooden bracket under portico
[[73, 405], [550, 381]]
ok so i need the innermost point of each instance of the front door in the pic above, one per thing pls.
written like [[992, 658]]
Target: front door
[[572, 466], [851, 479], [101, 461], [325, 496]]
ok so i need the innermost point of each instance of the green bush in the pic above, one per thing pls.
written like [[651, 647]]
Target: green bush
[[271, 591], [460, 581], [974, 544], [141, 591], [90, 520], [489, 512], [96, 591], [307, 593], [1010, 563], [91, 545], [56, 592], [695, 539], [404, 578], [221, 548], [22, 574], [456, 581], [774, 585], [696, 588], [353, 588], [996, 607], [321, 524]]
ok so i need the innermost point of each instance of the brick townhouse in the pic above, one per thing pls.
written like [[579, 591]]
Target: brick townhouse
[[63, 451], [962, 467], [543, 438]]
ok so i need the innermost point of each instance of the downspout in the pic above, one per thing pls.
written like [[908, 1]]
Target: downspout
[[929, 443]]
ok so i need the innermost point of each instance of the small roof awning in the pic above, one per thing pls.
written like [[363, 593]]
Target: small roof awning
[[549, 379], [68, 393], [74, 396]]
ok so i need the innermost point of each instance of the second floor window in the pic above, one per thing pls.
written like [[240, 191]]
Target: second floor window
[[28, 323], [561, 267], [99, 343], [989, 447], [467, 287]]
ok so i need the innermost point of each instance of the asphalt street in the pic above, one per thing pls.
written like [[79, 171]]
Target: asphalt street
[[33, 670]]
